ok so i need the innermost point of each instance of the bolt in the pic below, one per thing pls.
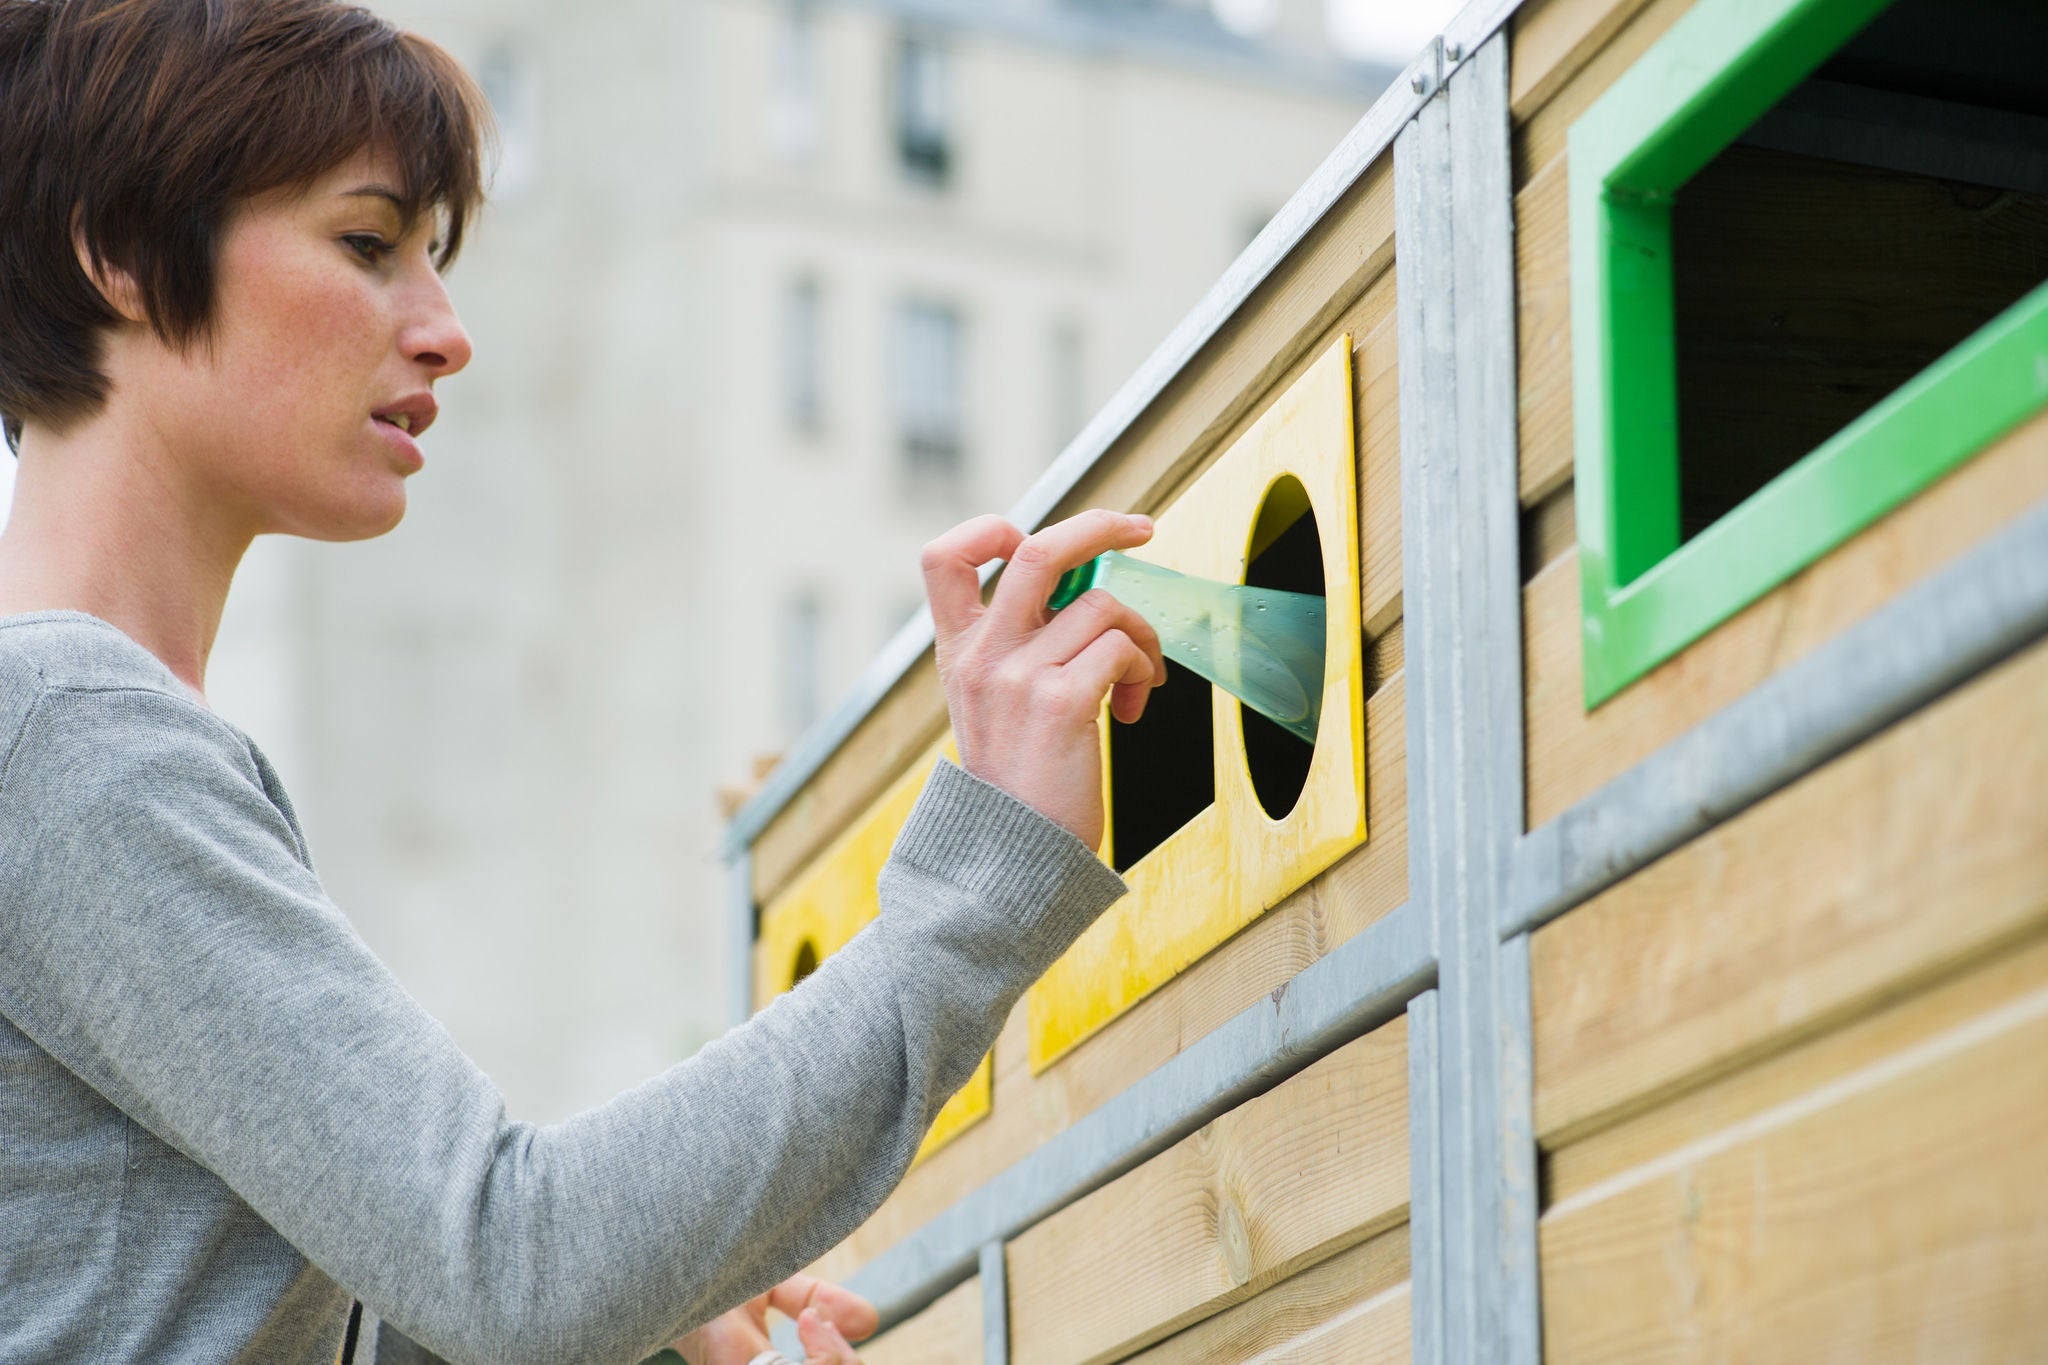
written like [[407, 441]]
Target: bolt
[[1452, 52], [1418, 83]]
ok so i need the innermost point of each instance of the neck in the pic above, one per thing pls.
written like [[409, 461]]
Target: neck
[[102, 524]]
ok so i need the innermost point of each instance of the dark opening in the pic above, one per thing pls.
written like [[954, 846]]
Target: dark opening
[[1886, 209], [806, 962], [1286, 554], [1162, 770]]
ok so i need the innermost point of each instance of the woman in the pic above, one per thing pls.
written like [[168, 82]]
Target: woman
[[222, 1123]]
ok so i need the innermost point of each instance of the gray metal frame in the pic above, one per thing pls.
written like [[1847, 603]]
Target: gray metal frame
[[1456, 956], [1461, 593]]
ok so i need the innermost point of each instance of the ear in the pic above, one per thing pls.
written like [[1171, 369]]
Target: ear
[[116, 285]]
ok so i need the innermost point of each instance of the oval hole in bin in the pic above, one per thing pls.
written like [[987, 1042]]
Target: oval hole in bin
[[1285, 553], [806, 962]]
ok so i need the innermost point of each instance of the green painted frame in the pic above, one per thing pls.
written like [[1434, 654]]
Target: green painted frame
[[1644, 596]]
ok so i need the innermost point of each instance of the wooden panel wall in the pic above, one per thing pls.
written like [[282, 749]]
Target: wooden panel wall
[[947, 1333], [1565, 53], [1790, 1080], [1352, 1309], [1317, 1164]]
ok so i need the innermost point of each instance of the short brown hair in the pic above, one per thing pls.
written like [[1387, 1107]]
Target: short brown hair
[[138, 124]]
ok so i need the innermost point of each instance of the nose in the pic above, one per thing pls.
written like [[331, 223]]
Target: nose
[[435, 338]]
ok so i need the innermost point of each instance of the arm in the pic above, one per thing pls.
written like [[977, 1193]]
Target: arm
[[163, 940]]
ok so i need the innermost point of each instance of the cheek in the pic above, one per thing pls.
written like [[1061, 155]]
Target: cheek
[[299, 349]]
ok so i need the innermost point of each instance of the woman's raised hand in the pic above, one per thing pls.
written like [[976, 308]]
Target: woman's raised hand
[[1025, 686]]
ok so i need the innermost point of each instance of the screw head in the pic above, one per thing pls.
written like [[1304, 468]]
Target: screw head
[[1453, 52], [1418, 83]]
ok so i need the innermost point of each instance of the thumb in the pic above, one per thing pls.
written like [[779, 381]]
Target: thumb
[[824, 1344]]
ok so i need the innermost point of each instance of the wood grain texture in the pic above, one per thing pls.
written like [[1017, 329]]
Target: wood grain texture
[[1352, 1308], [1890, 1211], [1902, 858], [1317, 1164], [1990, 981], [1267, 954], [947, 1333], [1551, 41], [1571, 753], [1338, 281], [1543, 326], [1605, 51]]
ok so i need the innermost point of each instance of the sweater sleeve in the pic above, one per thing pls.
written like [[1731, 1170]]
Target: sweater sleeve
[[160, 935]]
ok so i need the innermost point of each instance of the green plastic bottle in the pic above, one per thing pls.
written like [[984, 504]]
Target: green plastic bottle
[[1262, 646]]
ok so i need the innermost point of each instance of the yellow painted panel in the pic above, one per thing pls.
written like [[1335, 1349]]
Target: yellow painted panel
[[1233, 861], [826, 906]]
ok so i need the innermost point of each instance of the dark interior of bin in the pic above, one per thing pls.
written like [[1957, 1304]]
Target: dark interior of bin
[[806, 961], [1162, 770], [1292, 561], [1887, 208]]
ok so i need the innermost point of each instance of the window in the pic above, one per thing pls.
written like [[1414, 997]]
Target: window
[[1808, 245], [927, 380], [804, 355], [923, 140], [507, 80], [803, 662], [794, 121]]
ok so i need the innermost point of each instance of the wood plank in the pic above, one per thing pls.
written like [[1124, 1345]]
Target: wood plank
[[1597, 59], [1572, 754], [2007, 973], [947, 1333], [1552, 41], [1352, 1308], [1543, 328], [1146, 470], [1891, 865], [1893, 1213], [1317, 1164], [1267, 954]]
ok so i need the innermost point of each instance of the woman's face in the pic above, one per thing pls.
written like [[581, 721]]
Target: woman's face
[[331, 326]]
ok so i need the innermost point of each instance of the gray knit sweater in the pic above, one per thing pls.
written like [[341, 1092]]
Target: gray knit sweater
[[220, 1115]]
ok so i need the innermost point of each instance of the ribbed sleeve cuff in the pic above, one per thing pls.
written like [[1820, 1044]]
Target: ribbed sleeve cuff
[[1034, 872]]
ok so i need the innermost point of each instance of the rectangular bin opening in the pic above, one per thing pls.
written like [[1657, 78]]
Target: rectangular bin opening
[[1887, 208], [1162, 770]]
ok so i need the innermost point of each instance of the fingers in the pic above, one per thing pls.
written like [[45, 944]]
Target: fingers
[[1090, 615], [1113, 661], [952, 563], [1037, 562], [846, 1310], [824, 1344]]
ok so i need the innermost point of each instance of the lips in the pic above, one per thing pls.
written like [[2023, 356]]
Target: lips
[[412, 415]]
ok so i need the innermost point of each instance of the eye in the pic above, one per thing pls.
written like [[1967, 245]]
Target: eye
[[369, 246]]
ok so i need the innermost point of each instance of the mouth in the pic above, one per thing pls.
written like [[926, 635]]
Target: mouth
[[411, 415]]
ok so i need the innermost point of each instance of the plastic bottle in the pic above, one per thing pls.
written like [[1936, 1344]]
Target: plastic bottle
[[1263, 646]]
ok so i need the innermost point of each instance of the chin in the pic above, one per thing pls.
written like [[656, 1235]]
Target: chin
[[362, 519]]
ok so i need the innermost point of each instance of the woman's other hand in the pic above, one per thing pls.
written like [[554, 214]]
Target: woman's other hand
[[827, 1318], [1025, 686]]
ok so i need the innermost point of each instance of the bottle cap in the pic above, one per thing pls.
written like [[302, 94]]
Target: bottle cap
[[1073, 583]]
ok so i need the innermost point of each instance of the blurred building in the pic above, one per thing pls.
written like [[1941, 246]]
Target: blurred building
[[771, 292]]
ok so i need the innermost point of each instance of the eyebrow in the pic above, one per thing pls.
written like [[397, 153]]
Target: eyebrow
[[376, 192]]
